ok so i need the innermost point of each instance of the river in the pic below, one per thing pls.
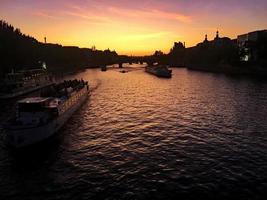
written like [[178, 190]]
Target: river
[[142, 137]]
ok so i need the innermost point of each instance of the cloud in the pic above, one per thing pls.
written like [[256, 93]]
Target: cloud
[[90, 17], [105, 12], [145, 36], [151, 14], [46, 14], [97, 12], [72, 11]]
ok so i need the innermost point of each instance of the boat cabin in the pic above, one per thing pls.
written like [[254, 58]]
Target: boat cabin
[[36, 110]]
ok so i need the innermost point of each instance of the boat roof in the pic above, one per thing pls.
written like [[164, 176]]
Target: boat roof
[[34, 100], [21, 72]]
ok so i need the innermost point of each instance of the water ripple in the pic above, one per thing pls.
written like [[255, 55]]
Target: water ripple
[[140, 137]]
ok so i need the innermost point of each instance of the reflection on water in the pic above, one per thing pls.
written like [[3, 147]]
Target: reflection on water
[[138, 136]]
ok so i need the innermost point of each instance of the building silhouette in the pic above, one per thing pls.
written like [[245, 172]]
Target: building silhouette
[[252, 46]]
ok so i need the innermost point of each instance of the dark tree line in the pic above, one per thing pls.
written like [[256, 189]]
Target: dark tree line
[[20, 51]]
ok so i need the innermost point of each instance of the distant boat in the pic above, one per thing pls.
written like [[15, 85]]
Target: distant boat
[[23, 82], [123, 71], [159, 70], [38, 118], [104, 68]]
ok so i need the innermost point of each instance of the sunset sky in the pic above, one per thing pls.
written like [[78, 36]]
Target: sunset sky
[[136, 27]]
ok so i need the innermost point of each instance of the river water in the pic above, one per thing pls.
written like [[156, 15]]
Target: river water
[[142, 137]]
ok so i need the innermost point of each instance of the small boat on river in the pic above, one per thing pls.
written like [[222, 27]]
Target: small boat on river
[[159, 70], [104, 68]]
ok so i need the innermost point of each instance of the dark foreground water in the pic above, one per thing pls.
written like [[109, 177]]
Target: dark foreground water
[[140, 137]]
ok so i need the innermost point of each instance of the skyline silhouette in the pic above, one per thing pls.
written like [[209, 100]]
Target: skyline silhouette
[[133, 28]]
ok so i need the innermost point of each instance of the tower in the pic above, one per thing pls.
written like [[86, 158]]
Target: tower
[[45, 40], [217, 35], [206, 38]]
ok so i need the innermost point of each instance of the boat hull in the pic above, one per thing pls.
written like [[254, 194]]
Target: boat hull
[[18, 138]]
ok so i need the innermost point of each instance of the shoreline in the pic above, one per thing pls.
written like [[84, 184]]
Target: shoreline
[[252, 71]]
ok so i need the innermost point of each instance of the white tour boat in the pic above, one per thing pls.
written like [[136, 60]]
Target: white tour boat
[[38, 118]]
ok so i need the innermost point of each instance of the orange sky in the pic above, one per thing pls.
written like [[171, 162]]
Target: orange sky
[[133, 27]]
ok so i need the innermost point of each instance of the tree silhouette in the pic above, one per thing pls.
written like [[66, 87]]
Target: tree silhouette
[[19, 51]]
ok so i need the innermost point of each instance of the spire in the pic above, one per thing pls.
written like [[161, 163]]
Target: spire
[[206, 38], [217, 35]]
